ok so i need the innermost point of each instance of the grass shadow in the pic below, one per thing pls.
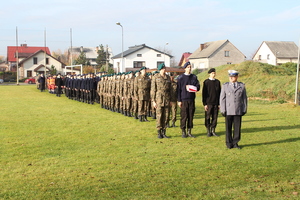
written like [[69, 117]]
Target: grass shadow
[[274, 142]]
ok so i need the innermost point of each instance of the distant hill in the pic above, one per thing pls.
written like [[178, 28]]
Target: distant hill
[[262, 80]]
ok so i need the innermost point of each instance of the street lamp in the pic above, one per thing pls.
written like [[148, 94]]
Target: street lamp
[[119, 24], [165, 52]]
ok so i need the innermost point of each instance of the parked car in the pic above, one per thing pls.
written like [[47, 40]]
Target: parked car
[[30, 80], [1, 81]]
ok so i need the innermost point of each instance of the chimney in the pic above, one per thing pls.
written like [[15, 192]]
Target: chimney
[[97, 49], [24, 45], [201, 47]]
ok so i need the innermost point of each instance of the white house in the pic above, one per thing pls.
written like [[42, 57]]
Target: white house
[[36, 63], [276, 53], [214, 54], [91, 53], [139, 56]]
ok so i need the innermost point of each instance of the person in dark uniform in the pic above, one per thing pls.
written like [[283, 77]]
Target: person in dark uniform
[[58, 85], [210, 99], [42, 82], [187, 86], [233, 105]]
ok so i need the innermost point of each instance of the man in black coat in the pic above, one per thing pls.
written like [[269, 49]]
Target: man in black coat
[[187, 86], [42, 82], [58, 85], [211, 101]]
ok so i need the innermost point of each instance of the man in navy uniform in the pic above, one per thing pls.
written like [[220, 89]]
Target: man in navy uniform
[[187, 86], [233, 105]]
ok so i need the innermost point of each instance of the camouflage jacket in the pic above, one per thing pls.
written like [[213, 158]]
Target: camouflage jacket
[[142, 88], [161, 89]]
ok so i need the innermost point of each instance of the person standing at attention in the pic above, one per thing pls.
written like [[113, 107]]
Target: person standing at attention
[[160, 96], [233, 105], [210, 99], [187, 86]]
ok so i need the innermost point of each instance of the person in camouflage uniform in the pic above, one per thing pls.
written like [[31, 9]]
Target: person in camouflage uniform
[[128, 94], [173, 101], [134, 97], [142, 93], [160, 96]]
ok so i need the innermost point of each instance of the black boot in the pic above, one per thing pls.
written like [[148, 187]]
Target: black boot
[[183, 133], [136, 116], [145, 118], [159, 134], [149, 114], [213, 132], [173, 124], [125, 113], [208, 132], [190, 133], [141, 118], [163, 132], [129, 114]]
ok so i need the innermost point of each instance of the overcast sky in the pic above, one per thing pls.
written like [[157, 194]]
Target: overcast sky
[[183, 24]]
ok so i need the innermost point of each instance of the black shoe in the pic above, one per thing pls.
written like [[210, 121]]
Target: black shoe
[[208, 132], [229, 147], [213, 132], [141, 118], [136, 116], [145, 119], [190, 133], [159, 134], [163, 133], [183, 133], [237, 146]]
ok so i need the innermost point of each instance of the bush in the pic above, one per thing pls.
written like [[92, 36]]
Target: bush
[[196, 71]]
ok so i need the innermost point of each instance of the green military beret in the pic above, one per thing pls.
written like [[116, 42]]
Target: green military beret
[[161, 66], [143, 68]]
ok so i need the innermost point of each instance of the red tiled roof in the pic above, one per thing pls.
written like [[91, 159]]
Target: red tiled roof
[[184, 58], [24, 49]]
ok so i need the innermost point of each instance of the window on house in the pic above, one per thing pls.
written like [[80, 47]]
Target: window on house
[[268, 56], [229, 63], [35, 61], [47, 61], [259, 57], [139, 55], [226, 54], [139, 64], [29, 73], [158, 55]]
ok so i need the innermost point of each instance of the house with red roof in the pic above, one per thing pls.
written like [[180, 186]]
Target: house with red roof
[[184, 58], [32, 60]]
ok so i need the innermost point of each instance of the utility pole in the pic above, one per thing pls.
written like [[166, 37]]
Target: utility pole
[[297, 100], [17, 56]]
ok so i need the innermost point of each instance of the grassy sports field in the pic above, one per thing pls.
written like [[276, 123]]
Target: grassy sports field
[[56, 148]]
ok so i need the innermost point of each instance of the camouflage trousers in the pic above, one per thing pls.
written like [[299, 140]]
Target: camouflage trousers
[[143, 107], [172, 112], [161, 116], [129, 104]]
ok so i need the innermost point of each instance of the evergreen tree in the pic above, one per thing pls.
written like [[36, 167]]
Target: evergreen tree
[[81, 60], [102, 56]]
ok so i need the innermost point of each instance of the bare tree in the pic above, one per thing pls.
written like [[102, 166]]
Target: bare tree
[[62, 57]]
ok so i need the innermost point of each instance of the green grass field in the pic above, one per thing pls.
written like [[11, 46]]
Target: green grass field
[[56, 148]]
